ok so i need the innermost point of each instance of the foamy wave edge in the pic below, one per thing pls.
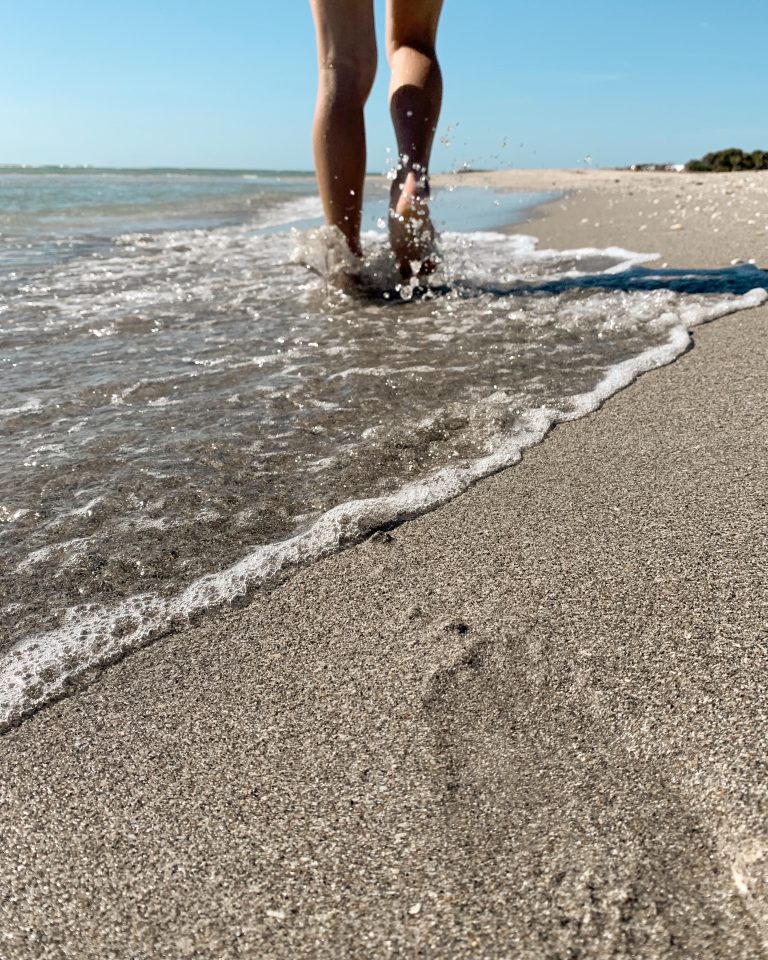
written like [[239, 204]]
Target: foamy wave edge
[[47, 667]]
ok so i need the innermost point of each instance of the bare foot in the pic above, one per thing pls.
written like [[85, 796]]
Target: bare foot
[[411, 233]]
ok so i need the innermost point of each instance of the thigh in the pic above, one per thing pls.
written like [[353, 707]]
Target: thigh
[[345, 30], [412, 23]]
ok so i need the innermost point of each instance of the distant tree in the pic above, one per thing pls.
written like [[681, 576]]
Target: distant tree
[[723, 161]]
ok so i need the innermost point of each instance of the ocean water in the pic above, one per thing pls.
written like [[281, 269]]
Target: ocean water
[[191, 402]]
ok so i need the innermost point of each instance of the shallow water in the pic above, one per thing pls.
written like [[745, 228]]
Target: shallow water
[[186, 408]]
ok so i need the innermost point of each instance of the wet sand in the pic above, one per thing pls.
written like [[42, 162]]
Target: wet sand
[[532, 724]]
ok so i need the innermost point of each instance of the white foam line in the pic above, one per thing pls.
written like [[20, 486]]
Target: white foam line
[[677, 343], [388, 371], [33, 673], [526, 246], [31, 406], [291, 212]]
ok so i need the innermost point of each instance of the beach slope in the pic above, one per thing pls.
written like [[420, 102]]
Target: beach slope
[[532, 724]]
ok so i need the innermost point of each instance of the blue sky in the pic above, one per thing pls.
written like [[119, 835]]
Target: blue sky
[[231, 83]]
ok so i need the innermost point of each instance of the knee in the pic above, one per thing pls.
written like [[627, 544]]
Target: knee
[[350, 74]]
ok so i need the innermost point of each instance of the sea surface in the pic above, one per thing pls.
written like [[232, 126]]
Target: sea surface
[[194, 397]]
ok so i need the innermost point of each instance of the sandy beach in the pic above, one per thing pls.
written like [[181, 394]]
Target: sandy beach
[[532, 724]]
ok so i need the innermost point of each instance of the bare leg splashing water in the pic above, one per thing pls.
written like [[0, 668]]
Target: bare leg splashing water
[[346, 46], [416, 92]]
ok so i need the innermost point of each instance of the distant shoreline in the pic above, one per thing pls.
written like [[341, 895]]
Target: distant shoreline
[[24, 168]]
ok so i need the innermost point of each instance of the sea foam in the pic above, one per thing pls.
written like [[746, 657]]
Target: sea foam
[[507, 342]]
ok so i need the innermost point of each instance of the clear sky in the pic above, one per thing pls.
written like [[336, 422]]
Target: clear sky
[[231, 83]]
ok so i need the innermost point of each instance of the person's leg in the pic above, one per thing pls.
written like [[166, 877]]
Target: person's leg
[[346, 53], [416, 93]]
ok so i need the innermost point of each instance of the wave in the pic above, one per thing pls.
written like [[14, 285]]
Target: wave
[[42, 668]]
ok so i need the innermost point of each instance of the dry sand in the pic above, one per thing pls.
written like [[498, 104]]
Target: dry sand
[[530, 725]]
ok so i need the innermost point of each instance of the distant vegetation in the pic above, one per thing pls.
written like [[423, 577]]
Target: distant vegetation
[[727, 160]]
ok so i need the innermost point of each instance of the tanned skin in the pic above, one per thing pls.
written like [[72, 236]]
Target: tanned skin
[[347, 60]]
